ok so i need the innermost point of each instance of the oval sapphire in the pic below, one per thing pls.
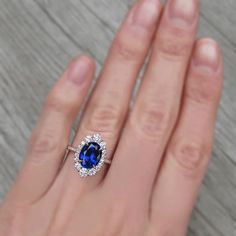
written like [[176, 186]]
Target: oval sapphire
[[90, 155]]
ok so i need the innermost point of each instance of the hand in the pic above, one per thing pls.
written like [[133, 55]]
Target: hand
[[160, 148]]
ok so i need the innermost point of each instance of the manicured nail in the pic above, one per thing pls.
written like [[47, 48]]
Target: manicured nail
[[183, 13], [79, 69], [146, 13], [206, 57]]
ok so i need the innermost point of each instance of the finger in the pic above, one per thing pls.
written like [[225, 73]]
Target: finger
[[188, 153], [106, 110], [155, 111], [51, 135]]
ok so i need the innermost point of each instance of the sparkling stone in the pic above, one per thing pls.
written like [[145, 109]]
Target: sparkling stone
[[76, 157], [90, 155], [92, 172], [103, 143], [88, 139], [83, 174], [97, 137]]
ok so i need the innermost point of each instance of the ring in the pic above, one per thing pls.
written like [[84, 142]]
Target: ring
[[90, 155]]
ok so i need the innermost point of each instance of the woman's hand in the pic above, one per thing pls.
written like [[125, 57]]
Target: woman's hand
[[160, 148]]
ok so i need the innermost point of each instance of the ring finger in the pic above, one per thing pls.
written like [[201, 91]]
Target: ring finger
[[188, 152], [107, 108]]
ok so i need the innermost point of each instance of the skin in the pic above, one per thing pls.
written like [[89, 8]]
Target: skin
[[160, 147]]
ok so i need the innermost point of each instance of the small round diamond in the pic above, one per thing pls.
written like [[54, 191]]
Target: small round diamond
[[92, 172], [83, 172], [97, 137]]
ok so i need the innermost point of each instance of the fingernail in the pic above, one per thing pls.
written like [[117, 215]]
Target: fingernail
[[79, 69], [146, 13], [206, 58], [183, 13]]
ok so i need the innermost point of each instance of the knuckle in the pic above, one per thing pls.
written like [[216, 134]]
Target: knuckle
[[128, 50], [190, 156], [199, 93], [174, 45], [10, 221], [57, 229], [105, 118], [154, 120], [59, 102], [115, 220], [43, 144]]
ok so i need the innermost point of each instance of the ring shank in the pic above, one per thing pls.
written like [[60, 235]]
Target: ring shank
[[70, 148]]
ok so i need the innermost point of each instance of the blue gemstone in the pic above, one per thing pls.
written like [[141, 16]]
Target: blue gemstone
[[90, 155]]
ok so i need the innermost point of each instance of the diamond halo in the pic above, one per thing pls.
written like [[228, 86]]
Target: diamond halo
[[97, 138]]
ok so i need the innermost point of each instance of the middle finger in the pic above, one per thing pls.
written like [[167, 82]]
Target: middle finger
[[155, 112]]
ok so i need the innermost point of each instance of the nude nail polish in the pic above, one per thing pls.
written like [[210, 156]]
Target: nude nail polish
[[183, 13], [146, 13], [78, 70], [206, 57]]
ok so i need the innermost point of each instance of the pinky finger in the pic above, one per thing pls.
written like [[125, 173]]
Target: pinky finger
[[51, 135], [190, 146]]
